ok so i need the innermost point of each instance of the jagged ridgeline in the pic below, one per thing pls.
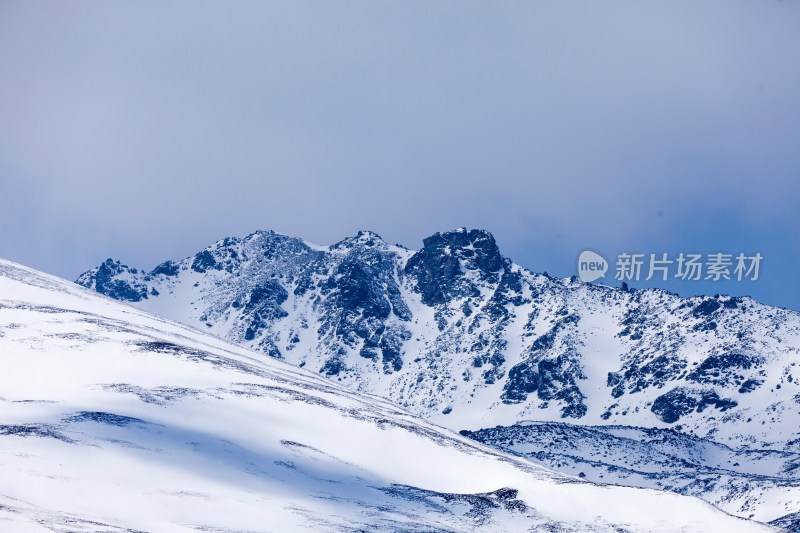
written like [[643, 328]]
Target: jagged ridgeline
[[458, 333]]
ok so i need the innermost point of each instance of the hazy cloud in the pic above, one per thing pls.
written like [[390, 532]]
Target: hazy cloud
[[145, 130]]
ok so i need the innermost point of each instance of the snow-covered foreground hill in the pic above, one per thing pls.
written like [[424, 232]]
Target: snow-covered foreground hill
[[115, 420]]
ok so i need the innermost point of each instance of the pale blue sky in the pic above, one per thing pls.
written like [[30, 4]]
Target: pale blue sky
[[146, 130]]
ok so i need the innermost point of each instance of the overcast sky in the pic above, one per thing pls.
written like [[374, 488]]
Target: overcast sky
[[146, 130]]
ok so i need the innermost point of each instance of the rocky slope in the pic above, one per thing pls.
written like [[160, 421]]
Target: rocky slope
[[759, 484]]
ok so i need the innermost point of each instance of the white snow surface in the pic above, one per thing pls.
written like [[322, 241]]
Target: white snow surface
[[112, 419]]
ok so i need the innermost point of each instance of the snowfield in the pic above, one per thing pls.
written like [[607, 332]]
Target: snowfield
[[115, 420]]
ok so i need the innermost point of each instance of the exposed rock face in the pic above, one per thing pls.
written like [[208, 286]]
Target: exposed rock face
[[680, 401], [442, 268], [109, 279]]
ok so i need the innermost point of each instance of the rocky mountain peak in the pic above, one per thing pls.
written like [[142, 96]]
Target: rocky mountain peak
[[443, 266], [115, 280], [362, 239]]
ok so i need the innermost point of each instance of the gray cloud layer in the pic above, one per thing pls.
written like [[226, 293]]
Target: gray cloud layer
[[145, 130]]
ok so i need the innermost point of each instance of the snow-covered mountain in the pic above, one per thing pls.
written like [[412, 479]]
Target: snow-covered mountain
[[461, 335], [112, 419]]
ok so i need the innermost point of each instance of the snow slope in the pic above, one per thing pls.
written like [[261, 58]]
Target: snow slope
[[114, 420]]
